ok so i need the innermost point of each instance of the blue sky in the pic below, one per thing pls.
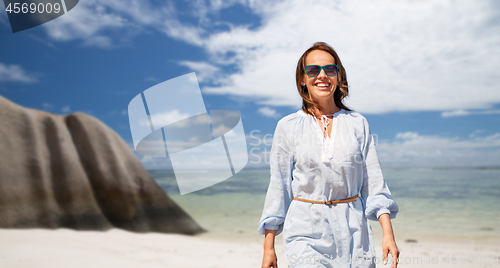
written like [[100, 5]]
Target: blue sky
[[424, 73]]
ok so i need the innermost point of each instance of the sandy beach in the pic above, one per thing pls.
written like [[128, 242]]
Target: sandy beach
[[117, 248]]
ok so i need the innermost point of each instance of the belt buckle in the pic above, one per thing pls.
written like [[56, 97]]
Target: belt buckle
[[329, 202]]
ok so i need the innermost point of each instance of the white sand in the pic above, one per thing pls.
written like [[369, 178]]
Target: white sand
[[117, 248]]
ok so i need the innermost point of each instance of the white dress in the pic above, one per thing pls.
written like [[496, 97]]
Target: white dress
[[307, 165]]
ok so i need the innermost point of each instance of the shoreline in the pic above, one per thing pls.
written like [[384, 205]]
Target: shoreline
[[118, 248]]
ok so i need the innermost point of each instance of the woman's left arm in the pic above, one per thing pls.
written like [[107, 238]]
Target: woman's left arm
[[388, 241], [377, 198], [375, 194]]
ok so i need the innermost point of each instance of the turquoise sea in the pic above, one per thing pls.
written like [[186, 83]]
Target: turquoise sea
[[449, 204]]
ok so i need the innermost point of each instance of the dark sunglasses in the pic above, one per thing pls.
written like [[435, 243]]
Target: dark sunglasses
[[314, 70]]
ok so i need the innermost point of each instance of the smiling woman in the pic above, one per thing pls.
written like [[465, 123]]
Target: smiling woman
[[321, 53], [326, 182]]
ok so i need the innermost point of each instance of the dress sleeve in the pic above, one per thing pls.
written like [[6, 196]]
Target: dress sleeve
[[279, 193], [374, 192]]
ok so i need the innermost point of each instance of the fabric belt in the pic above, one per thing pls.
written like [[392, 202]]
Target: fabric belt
[[331, 202]]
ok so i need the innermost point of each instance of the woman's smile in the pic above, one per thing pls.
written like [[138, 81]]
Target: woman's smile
[[322, 85]]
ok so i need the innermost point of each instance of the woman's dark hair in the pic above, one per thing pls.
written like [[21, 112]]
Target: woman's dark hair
[[342, 90]]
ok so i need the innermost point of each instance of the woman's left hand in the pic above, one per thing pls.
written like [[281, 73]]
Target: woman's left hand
[[388, 242], [389, 246]]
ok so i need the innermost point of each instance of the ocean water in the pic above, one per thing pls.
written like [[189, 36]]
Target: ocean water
[[450, 204]]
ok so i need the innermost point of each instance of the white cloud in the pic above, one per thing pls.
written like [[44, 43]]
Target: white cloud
[[205, 72], [15, 73], [200, 9], [166, 118], [176, 118], [269, 112], [407, 135], [66, 109], [399, 56], [220, 130], [92, 21], [47, 106], [186, 33], [410, 149], [462, 112]]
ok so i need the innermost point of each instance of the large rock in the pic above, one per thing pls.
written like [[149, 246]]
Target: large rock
[[73, 171]]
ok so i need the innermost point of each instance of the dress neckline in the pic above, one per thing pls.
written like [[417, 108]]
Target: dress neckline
[[326, 142], [342, 111]]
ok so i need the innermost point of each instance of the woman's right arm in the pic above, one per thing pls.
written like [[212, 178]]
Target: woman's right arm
[[270, 259], [279, 194]]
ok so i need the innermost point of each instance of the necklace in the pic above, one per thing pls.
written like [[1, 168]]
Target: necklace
[[325, 122]]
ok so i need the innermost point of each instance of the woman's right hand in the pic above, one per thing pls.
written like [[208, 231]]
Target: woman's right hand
[[270, 259]]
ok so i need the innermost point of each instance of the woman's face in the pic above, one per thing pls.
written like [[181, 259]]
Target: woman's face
[[322, 86]]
